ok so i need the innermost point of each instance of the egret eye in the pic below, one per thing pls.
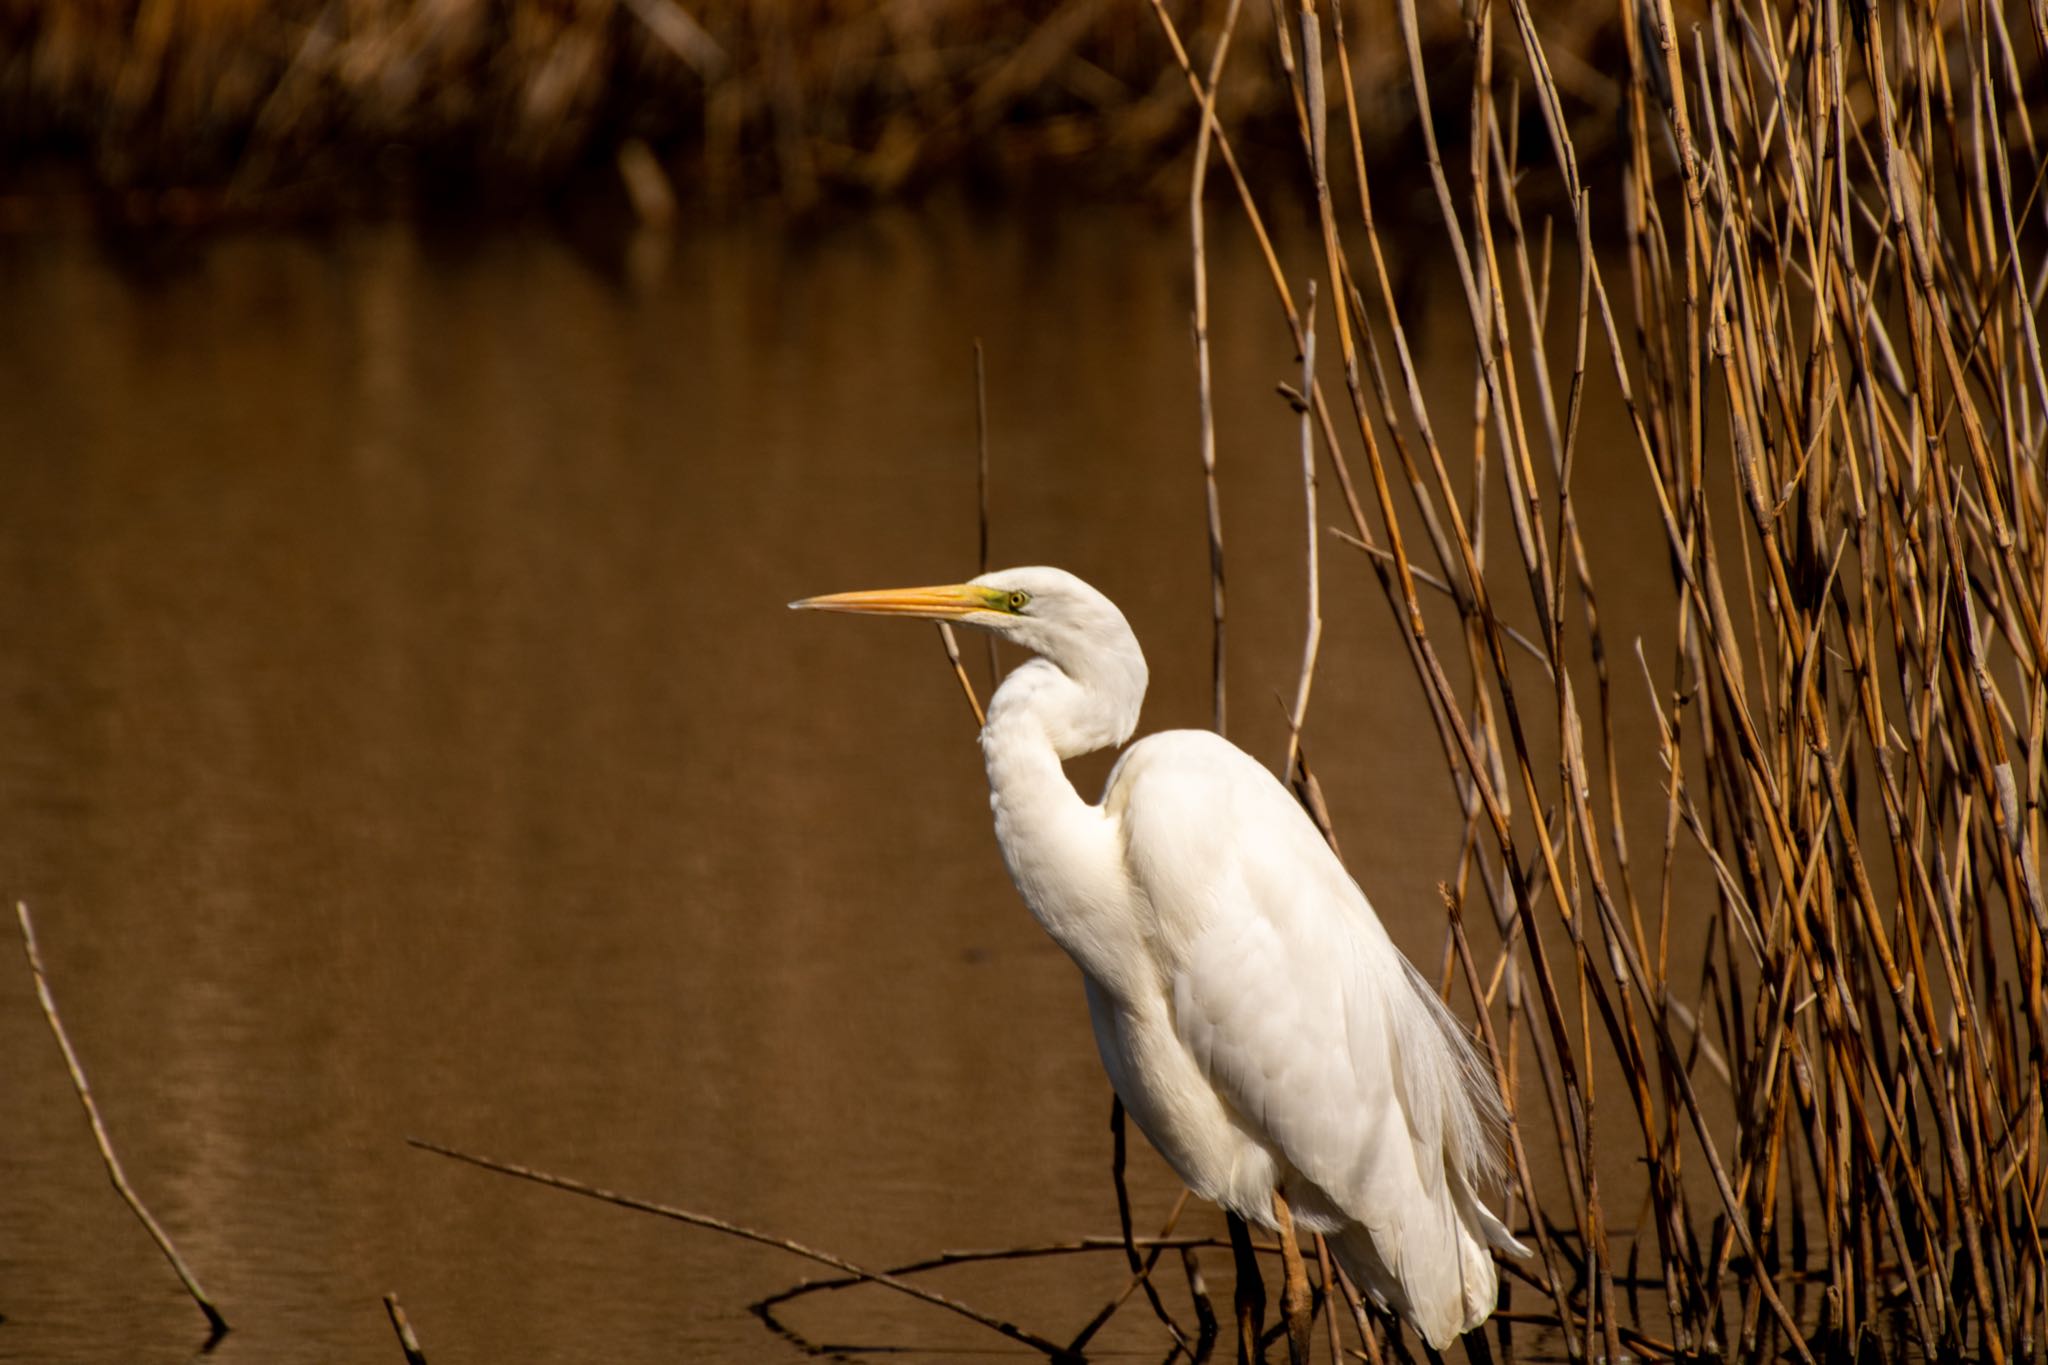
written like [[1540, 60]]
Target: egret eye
[[1018, 599]]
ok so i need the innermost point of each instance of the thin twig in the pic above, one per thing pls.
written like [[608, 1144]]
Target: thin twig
[[704, 1220], [1141, 1267], [1029, 1251], [1198, 184], [981, 487], [1312, 640], [216, 1324], [1430, 580], [952, 647], [407, 1340]]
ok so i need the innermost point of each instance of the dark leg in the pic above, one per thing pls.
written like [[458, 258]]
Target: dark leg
[[1294, 1295], [1251, 1292]]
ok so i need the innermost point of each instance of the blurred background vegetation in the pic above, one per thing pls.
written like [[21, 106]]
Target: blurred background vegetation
[[193, 110]]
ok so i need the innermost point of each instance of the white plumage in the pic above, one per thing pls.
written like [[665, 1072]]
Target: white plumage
[[1261, 1028]]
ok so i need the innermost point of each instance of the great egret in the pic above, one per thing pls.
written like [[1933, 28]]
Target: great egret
[[1261, 1028]]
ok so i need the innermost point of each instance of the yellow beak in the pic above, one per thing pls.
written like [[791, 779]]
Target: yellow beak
[[937, 604]]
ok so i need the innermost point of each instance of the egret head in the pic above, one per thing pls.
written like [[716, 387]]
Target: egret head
[[1048, 611]]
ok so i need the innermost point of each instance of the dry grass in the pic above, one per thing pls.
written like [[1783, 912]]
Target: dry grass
[[1822, 322]]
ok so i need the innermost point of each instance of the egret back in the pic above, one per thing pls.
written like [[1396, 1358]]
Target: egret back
[[1303, 1014]]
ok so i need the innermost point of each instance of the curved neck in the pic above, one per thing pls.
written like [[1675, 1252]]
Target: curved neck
[[1072, 716], [1059, 849]]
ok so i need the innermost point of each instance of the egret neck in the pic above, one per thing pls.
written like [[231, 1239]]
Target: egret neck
[[1060, 850]]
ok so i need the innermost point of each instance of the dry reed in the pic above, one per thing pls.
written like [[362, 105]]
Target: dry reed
[[1823, 330]]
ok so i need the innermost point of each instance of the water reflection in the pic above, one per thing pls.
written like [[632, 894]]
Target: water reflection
[[401, 732]]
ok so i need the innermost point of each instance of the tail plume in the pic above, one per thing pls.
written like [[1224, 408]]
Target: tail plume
[[1434, 1267]]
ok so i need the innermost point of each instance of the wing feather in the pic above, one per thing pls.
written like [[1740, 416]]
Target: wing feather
[[1305, 1017]]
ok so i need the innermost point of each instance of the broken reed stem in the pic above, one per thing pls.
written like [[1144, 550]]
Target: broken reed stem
[[216, 1324], [981, 491], [883, 1278], [952, 647], [1312, 640], [946, 637], [1198, 184], [408, 1341]]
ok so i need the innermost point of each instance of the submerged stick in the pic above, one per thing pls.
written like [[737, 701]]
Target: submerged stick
[[705, 1220], [401, 1324], [215, 1322]]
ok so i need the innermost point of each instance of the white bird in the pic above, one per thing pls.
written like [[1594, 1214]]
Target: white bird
[[1259, 1025]]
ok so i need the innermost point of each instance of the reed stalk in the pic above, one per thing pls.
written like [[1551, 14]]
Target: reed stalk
[[1818, 1007]]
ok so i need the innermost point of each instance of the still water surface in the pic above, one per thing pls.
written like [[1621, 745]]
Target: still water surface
[[401, 732]]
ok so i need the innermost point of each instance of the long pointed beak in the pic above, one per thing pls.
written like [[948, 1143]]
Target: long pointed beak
[[946, 603]]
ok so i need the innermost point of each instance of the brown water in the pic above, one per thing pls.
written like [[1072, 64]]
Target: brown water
[[401, 732]]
